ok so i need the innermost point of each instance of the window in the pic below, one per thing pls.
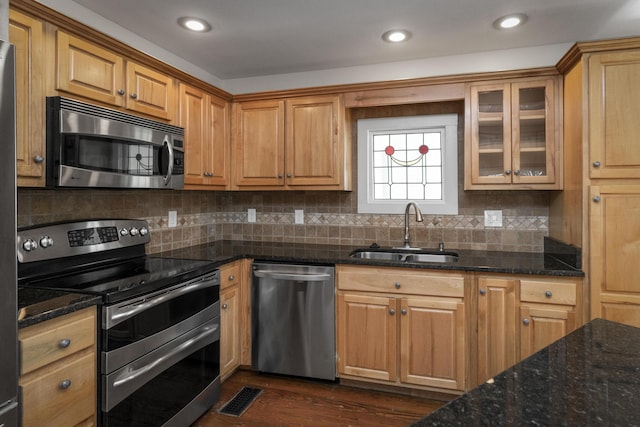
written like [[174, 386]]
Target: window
[[403, 159]]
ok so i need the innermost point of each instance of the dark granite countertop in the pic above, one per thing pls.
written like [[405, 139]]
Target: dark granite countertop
[[224, 251], [37, 305], [591, 377]]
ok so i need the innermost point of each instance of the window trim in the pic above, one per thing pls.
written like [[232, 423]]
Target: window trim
[[445, 123]]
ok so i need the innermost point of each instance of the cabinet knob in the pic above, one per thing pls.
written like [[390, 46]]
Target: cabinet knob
[[483, 291], [403, 311], [288, 175], [397, 285], [525, 322], [507, 172], [64, 343], [64, 384], [548, 294], [392, 311], [279, 176], [38, 159], [232, 277], [596, 199], [120, 91], [224, 306], [134, 96], [516, 172], [596, 164]]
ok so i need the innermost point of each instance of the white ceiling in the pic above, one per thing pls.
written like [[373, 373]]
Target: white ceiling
[[269, 37]]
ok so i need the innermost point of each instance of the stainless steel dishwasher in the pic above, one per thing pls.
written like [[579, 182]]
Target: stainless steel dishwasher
[[293, 320]]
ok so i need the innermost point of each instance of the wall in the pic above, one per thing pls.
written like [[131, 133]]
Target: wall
[[330, 217]]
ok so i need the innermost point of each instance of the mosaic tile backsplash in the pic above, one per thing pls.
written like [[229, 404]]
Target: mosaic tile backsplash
[[329, 218]]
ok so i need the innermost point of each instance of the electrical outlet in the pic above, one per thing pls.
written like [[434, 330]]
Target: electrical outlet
[[299, 216], [251, 215], [493, 218], [173, 218]]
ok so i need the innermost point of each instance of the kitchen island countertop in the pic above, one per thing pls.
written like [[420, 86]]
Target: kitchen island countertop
[[591, 377]]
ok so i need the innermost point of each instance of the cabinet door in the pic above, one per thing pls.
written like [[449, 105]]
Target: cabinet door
[[26, 34], [614, 226], [367, 336], [150, 92], [193, 118], [534, 132], [614, 105], [90, 71], [432, 342], [496, 326], [218, 149], [541, 326], [229, 331], [488, 148], [259, 143], [313, 150]]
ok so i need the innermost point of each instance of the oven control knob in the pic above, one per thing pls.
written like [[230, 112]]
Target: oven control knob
[[124, 232], [29, 245], [144, 231], [46, 241], [134, 231]]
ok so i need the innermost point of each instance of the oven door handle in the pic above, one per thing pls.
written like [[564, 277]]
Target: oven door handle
[[118, 314], [130, 377], [304, 277]]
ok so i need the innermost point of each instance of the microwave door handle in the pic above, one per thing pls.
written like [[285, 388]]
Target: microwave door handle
[[166, 142]]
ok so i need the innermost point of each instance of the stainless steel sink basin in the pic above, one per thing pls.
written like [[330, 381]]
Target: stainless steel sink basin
[[404, 256]]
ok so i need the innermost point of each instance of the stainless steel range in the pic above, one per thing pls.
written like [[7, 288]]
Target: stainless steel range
[[160, 322]]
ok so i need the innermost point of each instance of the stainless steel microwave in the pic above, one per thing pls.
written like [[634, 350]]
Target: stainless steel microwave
[[93, 146]]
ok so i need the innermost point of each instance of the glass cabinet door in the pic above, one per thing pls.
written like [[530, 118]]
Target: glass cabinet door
[[533, 127], [491, 146]]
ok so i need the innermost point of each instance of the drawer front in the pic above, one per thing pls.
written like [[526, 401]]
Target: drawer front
[[47, 400], [230, 275], [54, 339], [548, 292], [401, 281]]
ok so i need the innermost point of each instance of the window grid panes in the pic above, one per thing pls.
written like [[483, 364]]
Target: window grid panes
[[407, 165]]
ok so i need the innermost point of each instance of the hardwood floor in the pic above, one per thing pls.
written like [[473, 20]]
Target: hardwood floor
[[299, 402]]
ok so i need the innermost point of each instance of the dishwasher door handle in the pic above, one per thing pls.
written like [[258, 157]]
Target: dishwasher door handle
[[304, 277]]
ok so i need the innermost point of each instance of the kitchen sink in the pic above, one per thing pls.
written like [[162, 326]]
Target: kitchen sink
[[404, 255]]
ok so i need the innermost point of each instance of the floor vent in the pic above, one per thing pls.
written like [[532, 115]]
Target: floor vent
[[241, 401]]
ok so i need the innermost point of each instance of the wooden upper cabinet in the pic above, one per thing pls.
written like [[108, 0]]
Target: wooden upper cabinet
[[513, 135], [297, 143], [98, 74], [614, 107], [259, 144], [205, 119], [26, 34]]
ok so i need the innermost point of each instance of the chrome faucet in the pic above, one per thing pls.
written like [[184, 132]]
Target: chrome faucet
[[406, 244]]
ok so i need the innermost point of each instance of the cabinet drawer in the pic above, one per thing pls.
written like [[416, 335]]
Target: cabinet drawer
[[548, 292], [401, 281], [52, 340], [47, 402], [230, 275]]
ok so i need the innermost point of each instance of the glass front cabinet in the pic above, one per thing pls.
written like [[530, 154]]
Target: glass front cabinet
[[513, 134]]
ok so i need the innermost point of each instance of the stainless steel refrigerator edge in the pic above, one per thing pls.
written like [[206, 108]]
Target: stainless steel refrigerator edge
[[8, 275]]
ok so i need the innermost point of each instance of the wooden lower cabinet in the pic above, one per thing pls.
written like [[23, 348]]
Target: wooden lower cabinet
[[517, 316], [58, 371], [399, 338], [234, 316]]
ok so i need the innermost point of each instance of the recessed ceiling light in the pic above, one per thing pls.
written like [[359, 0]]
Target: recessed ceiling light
[[194, 24], [396, 36], [510, 21]]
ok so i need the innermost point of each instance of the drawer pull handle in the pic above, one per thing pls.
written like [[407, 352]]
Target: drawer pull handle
[[397, 285], [64, 343], [483, 292], [64, 384], [224, 306], [232, 277], [525, 322], [392, 312], [548, 294]]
